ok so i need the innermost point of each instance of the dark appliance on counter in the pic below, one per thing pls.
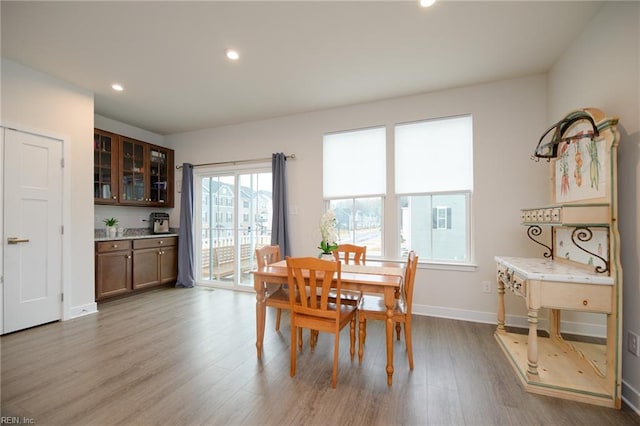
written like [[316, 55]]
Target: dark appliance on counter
[[159, 223]]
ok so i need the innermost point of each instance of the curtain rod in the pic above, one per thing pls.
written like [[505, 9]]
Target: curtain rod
[[233, 163]]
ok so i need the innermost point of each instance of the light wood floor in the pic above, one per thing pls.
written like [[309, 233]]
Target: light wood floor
[[187, 357]]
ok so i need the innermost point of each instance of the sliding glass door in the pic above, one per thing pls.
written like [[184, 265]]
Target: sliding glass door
[[234, 211]]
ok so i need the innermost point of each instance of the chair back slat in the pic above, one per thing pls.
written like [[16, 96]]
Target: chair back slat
[[314, 278], [351, 254], [409, 279], [267, 255]]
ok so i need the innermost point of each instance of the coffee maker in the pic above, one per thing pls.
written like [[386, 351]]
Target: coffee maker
[[159, 223]]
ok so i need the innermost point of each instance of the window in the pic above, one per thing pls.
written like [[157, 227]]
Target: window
[[355, 189], [359, 222], [433, 182], [442, 217]]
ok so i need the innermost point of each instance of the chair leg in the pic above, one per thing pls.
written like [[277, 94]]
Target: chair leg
[[352, 337], [336, 351], [361, 328], [294, 349], [278, 315], [407, 339], [364, 337], [398, 328], [300, 339]]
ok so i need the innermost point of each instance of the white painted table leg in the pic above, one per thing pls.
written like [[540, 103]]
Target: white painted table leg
[[501, 315], [532, 345]]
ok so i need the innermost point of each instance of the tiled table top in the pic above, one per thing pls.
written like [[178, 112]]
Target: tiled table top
[[548, 270]]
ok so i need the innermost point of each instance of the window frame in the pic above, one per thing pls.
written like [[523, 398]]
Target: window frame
[[390, 225]]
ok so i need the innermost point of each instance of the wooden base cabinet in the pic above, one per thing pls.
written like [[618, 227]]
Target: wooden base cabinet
[[113, 268], [155, 261], [124, 266]]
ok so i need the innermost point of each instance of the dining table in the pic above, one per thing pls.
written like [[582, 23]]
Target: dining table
[[373, 277]]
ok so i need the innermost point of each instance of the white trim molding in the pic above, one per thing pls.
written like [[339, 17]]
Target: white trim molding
[[83, 310], [576, 328]]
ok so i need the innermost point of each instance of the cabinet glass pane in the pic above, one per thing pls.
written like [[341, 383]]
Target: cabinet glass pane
[[102, 163], [158, 176], [133, 172]]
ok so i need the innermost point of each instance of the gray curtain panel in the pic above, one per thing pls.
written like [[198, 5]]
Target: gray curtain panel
[[279, 226], [185, 241]]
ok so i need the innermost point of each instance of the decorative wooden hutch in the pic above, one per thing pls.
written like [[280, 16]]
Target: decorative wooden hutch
[[580, 270]]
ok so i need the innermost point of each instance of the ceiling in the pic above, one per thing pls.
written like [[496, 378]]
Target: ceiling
[[296, 56]]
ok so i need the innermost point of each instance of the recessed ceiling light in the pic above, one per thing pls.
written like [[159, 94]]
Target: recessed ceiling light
[[427, 3], [232, 54], [117, 87]]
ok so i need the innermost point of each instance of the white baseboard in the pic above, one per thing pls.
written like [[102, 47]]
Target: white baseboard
[[82, 310], [631, 397], [577, 328]]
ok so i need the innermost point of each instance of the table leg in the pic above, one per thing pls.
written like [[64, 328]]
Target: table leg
[[500, 329], [389, 301], [532, 345], [554, 327], [259, 287]]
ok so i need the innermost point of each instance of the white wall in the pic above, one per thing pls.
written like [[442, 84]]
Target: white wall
[[36, 102], [120, 128], [507, 117], [602, 69]]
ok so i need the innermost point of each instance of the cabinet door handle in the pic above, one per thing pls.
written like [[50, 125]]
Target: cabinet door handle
[[114, 246], [128, 256]]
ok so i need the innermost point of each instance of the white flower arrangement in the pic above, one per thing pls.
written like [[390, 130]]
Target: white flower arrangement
[[329, 232]]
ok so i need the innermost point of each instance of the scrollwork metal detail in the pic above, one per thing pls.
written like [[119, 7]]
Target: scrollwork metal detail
[[536, 231], [584, 234]]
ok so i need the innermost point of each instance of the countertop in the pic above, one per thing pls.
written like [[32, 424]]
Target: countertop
[[548, 270], [133, 234]]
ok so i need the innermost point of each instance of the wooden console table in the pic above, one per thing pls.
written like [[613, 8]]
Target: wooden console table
[[580, 270]]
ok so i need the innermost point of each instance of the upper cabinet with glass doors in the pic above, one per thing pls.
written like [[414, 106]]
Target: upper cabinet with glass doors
[[105, 167], [134, 170], [160, 176], [141, 174]]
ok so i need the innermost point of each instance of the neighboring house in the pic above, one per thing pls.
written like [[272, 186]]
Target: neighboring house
[[255, 211]]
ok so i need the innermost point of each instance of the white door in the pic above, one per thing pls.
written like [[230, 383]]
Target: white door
[[32, 230]]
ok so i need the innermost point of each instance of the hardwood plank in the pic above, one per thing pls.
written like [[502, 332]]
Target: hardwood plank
[[173, 356]]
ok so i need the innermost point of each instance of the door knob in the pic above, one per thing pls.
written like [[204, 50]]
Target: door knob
[[16, 240]]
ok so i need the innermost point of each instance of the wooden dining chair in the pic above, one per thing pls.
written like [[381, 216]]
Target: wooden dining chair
[[350, 254], [312, 276], [373, 307], [276, 296]]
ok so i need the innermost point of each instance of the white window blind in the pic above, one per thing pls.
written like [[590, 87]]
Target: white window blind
[[434, 156], [354, 163]]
